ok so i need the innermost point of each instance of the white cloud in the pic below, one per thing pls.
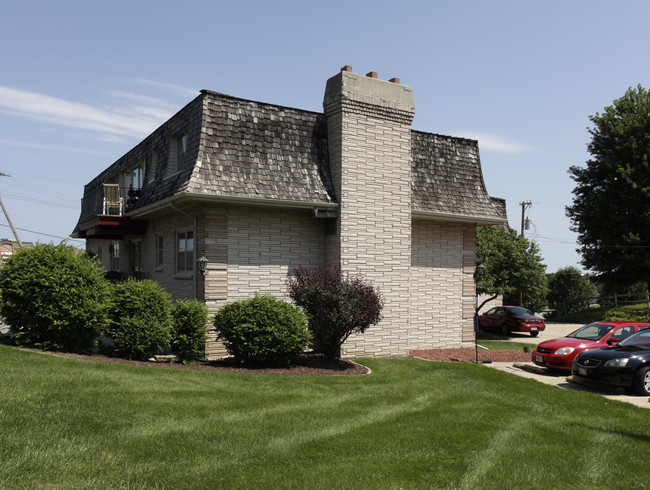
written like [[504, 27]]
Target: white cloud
[[126, 120], [494, 142], [45, 146], [169, 87]]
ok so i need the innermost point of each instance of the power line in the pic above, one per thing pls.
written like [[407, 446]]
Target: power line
[[45, 234], [39, 201]]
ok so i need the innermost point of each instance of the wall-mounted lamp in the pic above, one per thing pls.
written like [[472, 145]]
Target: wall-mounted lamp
[[203, 263], [478, 272]]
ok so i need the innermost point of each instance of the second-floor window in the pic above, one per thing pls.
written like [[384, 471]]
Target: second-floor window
[[177, 152], [137, 175]]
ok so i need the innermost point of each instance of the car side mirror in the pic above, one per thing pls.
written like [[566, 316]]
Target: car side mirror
[[612, 341]]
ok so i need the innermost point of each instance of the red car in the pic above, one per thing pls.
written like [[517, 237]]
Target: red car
[[559, 353], [508, 319]]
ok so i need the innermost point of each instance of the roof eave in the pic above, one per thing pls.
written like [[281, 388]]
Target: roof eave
[[478, 220], [241, 201]]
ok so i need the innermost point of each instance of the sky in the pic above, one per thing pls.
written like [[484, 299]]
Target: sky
[[83, 82]]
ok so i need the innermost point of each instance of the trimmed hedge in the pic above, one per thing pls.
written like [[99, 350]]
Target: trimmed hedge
[[189, 329], [140, 319], [54, 297], [262, 329]]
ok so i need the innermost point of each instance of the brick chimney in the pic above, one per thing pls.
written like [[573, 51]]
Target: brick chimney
[[369, 131]]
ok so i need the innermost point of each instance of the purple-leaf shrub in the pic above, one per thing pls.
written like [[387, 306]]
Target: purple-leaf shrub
[[337, 305]]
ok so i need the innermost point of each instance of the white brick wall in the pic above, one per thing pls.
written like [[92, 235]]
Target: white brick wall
[[261, 247], [441, 285], [266, 245], [369, 128]]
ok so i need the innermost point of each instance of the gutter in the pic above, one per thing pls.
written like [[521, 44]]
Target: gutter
[[478, 220], [277, 203]]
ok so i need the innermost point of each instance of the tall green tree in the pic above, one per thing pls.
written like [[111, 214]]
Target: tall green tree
[[610, 210], [513, 265], [569, 291]]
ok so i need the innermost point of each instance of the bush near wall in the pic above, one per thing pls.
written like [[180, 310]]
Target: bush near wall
[[189, 330], [338, 305], [140, 318], [54, 297], [262, 329]]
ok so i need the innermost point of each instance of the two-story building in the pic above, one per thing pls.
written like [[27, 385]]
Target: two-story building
[[259, 190]]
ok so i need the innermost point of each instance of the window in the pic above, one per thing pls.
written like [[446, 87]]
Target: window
[[185, 252], [136, 258], [114, 255], [137, 174], [151, 168], [177, 151], [159, 250]]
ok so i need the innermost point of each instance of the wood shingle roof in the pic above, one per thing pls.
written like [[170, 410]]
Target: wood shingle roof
[[255, 150], [241, 149]]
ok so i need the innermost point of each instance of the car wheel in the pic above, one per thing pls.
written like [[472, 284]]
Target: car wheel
[[505, 330], [533, 334], [642, 381]]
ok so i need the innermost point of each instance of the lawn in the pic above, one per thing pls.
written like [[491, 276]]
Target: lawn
[[67, 423]]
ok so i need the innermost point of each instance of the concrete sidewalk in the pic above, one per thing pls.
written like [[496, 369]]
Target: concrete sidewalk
[[543, 375]]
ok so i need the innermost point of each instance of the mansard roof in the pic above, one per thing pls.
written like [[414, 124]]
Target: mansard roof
[[447, 179], [242, 150], [255, 150]]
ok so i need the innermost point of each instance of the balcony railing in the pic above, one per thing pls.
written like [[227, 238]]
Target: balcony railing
[[108, 200]]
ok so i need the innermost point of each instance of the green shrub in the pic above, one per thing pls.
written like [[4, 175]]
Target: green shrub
[[628, 315], [54, 297], [140, 319], [337, 305], [569, 291], [189, 329], [262, 329]]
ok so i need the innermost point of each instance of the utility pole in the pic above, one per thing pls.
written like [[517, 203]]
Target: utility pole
[[20, 244], [524, 205]]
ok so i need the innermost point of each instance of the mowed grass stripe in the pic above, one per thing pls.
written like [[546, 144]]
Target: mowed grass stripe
[[68, 423]]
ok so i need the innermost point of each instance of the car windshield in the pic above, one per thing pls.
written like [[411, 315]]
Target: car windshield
[[593, 331], [518, 311], [639, 339]]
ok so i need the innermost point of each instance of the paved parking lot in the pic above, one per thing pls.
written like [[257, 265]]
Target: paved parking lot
[[543, 375], [553, 331]]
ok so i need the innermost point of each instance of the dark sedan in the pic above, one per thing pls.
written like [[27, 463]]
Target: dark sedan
[[506, 319], [626, 364]]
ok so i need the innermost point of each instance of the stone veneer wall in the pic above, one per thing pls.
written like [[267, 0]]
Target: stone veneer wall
[[369, 126], [442, 257], [254, 250], [179, 286]]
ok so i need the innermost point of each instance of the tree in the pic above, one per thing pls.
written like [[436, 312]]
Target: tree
[[569, 291], [512, 266], [610, 209], [337, 306], [54, 297]]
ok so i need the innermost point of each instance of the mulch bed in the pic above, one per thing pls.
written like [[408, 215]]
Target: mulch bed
[[304, 365], [469, 355], [312, 364]]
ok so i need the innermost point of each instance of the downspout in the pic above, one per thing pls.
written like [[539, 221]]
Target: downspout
[[196, 240]]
